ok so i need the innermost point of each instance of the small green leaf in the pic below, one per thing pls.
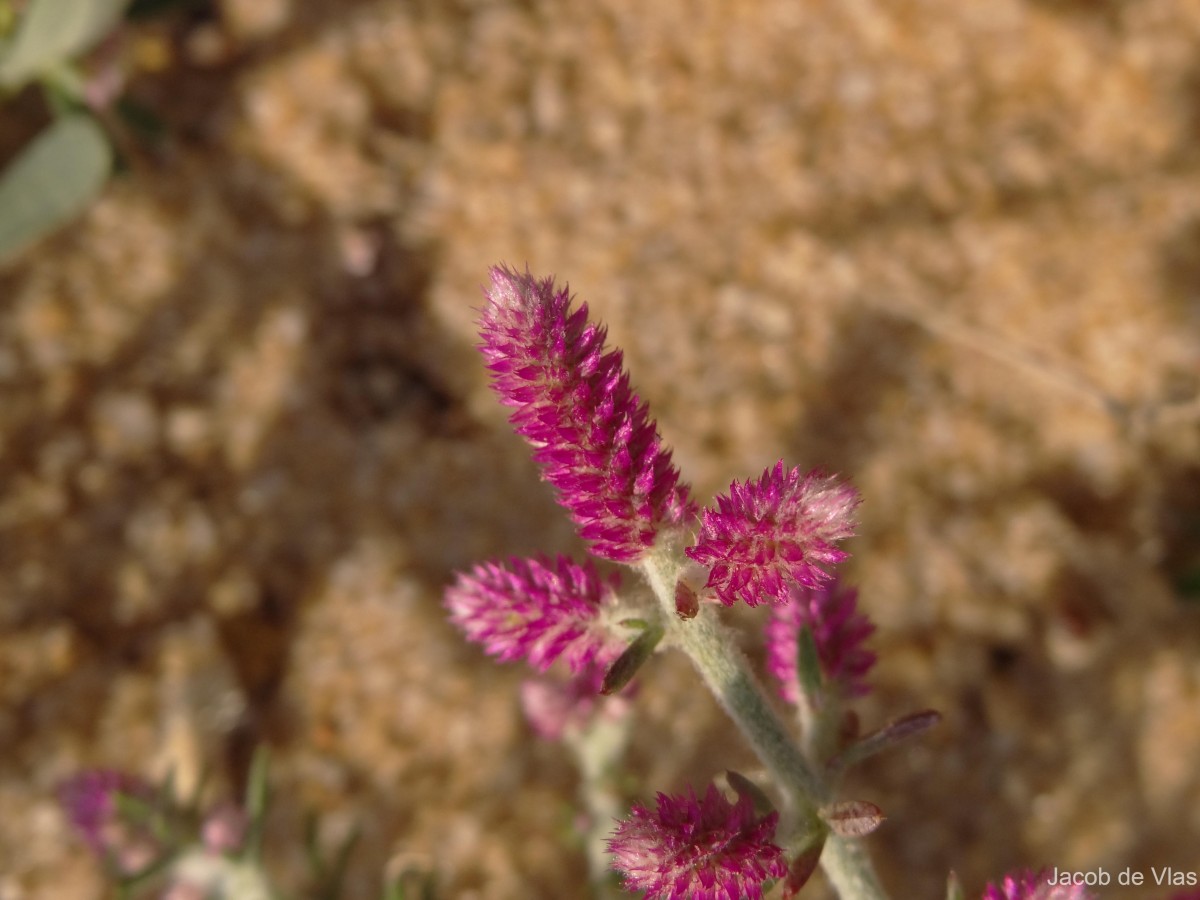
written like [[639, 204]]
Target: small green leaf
[[256, 803], [411, 884], [808, 666], [894, 732], [621, 672], [954, 888], [52, 32], [802, 867], [51, 181], [747, 788]]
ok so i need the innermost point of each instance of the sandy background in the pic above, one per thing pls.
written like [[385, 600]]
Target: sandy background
[[950, 250]]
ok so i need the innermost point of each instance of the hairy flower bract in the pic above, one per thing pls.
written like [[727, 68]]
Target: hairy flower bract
[[533, 609], [707, 849], [768, 534], [592, 435], [830, 611]]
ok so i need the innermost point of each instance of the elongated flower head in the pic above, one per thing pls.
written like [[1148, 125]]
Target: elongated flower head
[[533, 609], [839, 630], [707, 849], [769, 534], [1034, 886], [572, 401]]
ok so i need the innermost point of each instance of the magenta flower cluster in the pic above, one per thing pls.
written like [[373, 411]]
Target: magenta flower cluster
[[839, 631], [768, 535], [700, 849], [592, 434], [533, 609]]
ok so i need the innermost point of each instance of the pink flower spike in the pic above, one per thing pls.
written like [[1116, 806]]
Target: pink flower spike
[[533, 609], [768, 534], [90, 801], [839, 630], [572, 401], [707, 849], [1028, 885]]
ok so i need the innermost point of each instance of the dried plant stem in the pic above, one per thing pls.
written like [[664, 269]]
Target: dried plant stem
[[1059, 374]]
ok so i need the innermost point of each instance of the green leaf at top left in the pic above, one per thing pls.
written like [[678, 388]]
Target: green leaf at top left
[[51, 32], [52, 181]]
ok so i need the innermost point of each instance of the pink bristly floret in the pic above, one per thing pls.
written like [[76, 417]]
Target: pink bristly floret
[[767, 535], [839, 631], [533, 609], [692, 848], [572, 401]]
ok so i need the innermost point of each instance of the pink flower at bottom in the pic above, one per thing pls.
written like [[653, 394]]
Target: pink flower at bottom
[[693, 849], [1029, 885]]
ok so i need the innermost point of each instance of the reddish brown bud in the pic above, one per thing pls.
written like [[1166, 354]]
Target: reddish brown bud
[[853, 818], [687, 604]]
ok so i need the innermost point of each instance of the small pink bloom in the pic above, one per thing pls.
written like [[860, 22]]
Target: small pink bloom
[[224, 828], [692, 849], [766, 535], [533, 609], [572, 401], [1029, 885], [839, 630], [91, 802]]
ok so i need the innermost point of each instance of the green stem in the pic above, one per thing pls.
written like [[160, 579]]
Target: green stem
[[725, 670], [598, 749], [848, 868]]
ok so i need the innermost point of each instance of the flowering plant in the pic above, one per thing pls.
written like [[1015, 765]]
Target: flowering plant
[[769, 541]]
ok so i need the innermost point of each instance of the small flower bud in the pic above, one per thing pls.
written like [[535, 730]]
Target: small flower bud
[[853, 818], [621, 672]]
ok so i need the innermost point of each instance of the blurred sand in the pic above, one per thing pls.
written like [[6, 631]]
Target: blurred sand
[[950, 250]]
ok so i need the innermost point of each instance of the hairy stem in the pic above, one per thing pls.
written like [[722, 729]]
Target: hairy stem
[[725, 670]]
